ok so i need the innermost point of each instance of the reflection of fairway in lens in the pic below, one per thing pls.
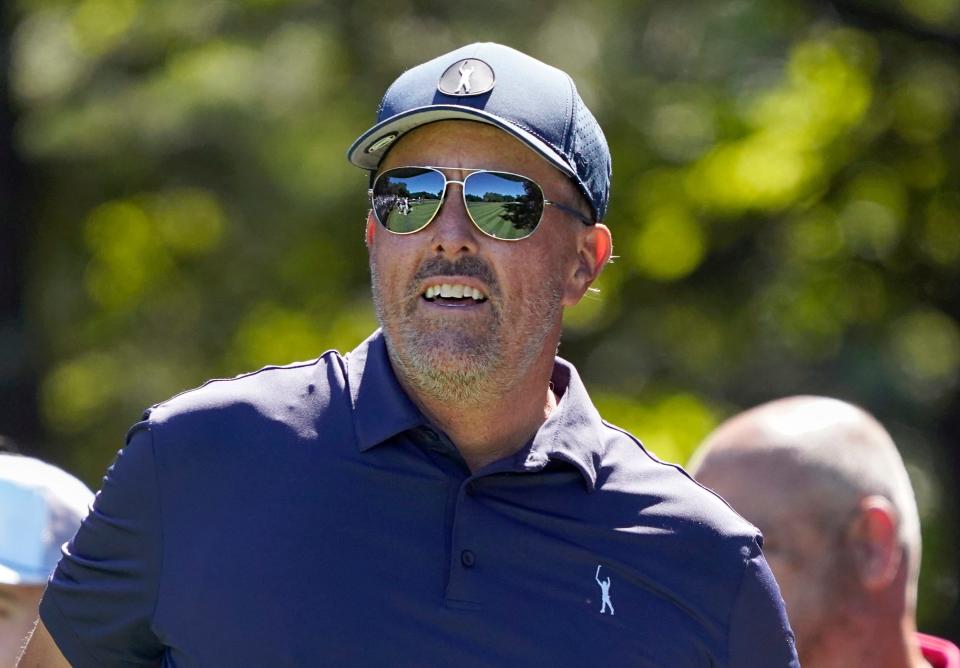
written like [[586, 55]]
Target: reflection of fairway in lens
[[419, 215], [489, 219]]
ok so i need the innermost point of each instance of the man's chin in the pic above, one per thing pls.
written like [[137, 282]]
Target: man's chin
[[443, 368], [461, 365], [448, 343]]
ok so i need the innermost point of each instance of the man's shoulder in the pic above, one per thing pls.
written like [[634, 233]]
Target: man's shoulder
[[276, 392], [676, 537], [670, 497]]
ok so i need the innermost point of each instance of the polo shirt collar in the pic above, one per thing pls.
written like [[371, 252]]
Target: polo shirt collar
[[573, 431], [382, 409]]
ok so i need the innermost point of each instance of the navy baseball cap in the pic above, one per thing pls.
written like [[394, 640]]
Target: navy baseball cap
[[491, 83]]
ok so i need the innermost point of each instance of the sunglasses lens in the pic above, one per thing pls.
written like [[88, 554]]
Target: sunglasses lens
[[505, 206], [405, 199]]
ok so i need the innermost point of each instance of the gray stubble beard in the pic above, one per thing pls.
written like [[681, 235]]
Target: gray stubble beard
[[468, 365]]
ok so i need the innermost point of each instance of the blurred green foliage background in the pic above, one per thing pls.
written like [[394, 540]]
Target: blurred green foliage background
[[786, 209]]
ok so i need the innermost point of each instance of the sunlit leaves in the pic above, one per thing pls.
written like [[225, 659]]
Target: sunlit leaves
[[220, 72], [97, 25], [699, 339], [670, 244], [46, 63], [134, 243], [681, 129], [936, 12], [124, 261], [189, 221], [672, 423], [825, 92], [271, 332], [925, 344], [760, 172], [940, 231], [813, 235], [925, 102], [77, 391], [872, 216]]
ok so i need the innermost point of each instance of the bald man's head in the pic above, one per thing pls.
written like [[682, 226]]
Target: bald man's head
[[823, 481]]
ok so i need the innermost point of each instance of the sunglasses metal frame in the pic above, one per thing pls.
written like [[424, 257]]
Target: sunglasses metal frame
[[463, 196]]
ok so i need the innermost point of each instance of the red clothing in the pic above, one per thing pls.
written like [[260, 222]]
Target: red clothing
[[938, 652]]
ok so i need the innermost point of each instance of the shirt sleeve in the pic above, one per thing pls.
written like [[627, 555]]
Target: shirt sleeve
[[760, 634], [100, 600]]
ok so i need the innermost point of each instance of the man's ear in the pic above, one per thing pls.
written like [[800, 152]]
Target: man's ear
[[371, 227], [595, 244], [876, 547], [602, 247]]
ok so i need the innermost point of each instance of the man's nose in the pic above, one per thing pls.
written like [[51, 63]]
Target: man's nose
[[452, 232]]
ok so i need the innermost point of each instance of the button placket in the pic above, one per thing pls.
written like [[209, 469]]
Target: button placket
[[463, 587]]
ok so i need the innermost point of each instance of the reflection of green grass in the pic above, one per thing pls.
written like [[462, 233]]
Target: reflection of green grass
[[417, 218], [487, 215]]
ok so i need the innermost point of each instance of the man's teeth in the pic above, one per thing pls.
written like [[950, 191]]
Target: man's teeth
[[449, 291]]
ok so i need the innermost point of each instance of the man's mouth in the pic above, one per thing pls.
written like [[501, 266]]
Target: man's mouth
[[454, 294]]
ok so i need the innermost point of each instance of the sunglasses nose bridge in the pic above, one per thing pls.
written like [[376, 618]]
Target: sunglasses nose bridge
[[458, 198], [445, 196], [452, 227]]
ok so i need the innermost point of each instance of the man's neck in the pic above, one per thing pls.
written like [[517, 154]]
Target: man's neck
[[497, 425]]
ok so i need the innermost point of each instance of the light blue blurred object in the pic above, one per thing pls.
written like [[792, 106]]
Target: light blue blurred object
[[41, 508]]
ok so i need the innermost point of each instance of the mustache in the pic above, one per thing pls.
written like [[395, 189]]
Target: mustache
[[469, 265]]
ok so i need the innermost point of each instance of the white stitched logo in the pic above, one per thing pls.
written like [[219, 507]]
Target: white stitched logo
[[604, 591], [468, 76], [465, 72]]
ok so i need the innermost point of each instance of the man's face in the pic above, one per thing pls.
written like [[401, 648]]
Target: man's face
[[804, 547], [463, 348], [18, 611]]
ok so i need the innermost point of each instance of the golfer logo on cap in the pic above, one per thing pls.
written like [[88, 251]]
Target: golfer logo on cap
[[469, 76]]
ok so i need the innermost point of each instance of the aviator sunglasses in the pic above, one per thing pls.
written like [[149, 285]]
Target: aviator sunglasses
[[502, 205]]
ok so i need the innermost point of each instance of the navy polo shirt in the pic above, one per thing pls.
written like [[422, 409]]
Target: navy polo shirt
[[309, 515]]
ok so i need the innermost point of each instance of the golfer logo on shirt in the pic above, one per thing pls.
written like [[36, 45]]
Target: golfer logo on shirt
[[604, 591]]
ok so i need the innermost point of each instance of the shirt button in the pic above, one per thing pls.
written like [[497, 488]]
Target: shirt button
[[471, 489], [468, 559]]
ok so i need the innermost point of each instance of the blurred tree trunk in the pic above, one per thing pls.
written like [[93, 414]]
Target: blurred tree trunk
[[19, 416]]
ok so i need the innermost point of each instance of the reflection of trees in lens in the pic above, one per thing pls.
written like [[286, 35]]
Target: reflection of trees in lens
[[523, 212], [423, 194], [523, 216], [398, 188], [494, 197]]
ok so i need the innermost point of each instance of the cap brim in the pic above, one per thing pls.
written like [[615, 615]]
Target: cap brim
[[366, 153]]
